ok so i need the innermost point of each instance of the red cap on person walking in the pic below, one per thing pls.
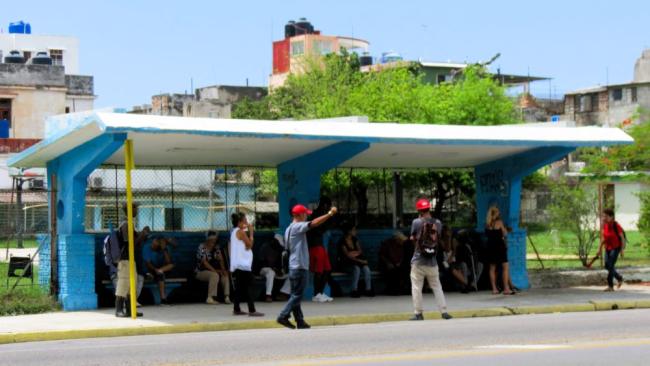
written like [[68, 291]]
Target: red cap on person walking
[[299, 210], [422, 204]]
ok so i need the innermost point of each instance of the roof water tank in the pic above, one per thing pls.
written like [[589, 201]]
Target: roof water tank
[[290, 29], [41, 58], [304, 27], [14, 57], [390, 56], [20, 28]]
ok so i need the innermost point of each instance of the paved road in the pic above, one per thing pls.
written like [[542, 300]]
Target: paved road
[[593, 338]]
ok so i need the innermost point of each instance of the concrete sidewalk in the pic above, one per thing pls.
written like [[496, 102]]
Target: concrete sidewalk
[[202, 317]]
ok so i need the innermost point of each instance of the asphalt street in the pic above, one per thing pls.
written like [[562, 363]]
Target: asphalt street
[[590, 338]]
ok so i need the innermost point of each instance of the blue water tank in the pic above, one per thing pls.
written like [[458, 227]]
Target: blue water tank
[[20, 28], [4, 129]]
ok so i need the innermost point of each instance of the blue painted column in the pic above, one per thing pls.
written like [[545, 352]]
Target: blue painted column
[[76, 249], [299, 180], [499, 182]]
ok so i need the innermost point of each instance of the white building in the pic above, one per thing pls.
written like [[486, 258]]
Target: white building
[[64, 50]]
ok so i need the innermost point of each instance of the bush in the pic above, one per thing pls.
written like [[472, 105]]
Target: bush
[[26, 301]]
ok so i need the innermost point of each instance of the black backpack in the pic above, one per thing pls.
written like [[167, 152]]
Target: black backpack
[[426, 245]]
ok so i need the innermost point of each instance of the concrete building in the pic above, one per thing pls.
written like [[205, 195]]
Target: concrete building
[[211, 102], [611, 105], [302, 43], [32, 91]]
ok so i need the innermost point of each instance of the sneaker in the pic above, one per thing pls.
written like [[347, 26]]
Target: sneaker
[[285, 322], [355, 294], [620, 283], [239, 312], [256, 314], [268, 298], [211, 301], [319, 298], [303, 325], [327, 298], [165, 302], [370, 293], [226, 300], [446, 316], [417, 317]]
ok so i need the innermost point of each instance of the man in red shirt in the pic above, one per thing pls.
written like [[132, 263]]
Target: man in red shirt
[[613, 241]]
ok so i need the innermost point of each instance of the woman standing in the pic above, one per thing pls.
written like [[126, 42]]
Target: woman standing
[[241, 263], [613, 241], [496, 233]]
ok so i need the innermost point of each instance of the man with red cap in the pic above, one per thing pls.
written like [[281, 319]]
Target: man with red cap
[[424, 265], [296, 243]]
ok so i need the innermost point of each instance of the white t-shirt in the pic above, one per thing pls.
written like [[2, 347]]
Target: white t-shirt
[[240, 257]]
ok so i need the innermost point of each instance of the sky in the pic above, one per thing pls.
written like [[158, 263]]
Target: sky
[[138, 48]]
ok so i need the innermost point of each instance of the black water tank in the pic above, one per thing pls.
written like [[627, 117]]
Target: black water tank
[[365, 59], [304, 27], [41, 58], [14, 57], [290, 29]]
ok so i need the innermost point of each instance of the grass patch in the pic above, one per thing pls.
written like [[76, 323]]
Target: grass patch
[[27, 243], [560, 243], [25, 299]]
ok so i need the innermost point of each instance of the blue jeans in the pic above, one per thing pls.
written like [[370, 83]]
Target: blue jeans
[[356, 274], [298, 281], [611, 256]]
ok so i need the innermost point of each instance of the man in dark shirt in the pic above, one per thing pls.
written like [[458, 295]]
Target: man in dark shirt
[[394, 264]]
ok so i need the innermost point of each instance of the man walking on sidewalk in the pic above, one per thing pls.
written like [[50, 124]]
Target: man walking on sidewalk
[[423, 263], [296, 243]]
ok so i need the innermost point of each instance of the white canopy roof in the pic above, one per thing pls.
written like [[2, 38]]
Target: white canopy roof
[[182, 141]]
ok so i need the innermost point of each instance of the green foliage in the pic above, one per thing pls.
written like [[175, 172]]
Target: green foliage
[[635, 157], [575, 209], [535, 180], [644, 217], [334, 86], [267, 187]]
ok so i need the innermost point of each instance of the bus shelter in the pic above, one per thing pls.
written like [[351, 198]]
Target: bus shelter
[[301, 151]]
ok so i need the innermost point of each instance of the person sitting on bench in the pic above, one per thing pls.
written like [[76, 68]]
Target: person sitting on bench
[[394, 264], [353, 260], [211, 268], [157, 262], [269, 263]]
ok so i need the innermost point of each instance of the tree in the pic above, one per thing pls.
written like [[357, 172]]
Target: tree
[[644, 217], [635, 157], [575, 208], [334, 86]]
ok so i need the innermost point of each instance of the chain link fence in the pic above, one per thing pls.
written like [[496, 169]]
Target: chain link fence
[[182, 199], [23, 212]]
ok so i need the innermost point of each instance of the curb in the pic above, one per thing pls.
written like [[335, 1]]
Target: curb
[[8, 338]]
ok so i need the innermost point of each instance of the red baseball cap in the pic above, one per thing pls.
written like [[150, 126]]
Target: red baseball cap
[[423, 204], [299, 210]]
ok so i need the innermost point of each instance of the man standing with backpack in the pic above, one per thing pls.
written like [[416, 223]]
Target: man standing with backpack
[[425, 231], [122, 302], [614, 239], [296, 243]]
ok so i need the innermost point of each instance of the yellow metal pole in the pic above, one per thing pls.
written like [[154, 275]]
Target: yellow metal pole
[[128, 165]]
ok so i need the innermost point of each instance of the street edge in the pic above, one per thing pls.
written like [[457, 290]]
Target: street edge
[[8, 338]]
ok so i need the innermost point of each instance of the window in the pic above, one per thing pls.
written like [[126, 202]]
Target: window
[[635, 98], [585, 103], [110, 217], [173, 219], [297, 48], [5, 110], [67, 110], [594, 102], [617, 94], [441, 78], [57, 57], [322, 47]]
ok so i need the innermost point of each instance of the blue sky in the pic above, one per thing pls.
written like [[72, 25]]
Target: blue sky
[[139, 48]]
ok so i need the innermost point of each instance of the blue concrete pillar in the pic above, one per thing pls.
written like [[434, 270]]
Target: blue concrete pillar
[[75, 248], [299, 178], [499, 182]]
